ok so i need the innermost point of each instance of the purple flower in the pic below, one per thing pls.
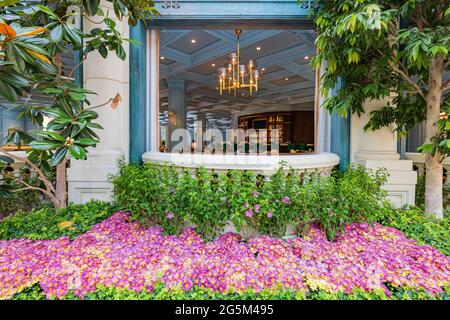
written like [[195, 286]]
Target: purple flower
[[249, 213], [170, 215], [269, 214], [286, 200], [256, 207], [255, 193]]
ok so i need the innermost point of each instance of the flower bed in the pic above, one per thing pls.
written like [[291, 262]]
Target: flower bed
[[121, 254]]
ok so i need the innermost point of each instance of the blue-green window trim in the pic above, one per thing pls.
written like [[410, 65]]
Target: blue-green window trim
[[340, 127], [138, 92]]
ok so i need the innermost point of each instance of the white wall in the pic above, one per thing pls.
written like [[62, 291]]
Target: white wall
[[107, 77], [376, 149]]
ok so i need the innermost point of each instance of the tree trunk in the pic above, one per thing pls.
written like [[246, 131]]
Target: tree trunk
[[434, 170], [61, 184]]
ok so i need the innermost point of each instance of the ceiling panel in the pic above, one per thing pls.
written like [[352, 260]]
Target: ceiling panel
[[185, 45], [202, 94]]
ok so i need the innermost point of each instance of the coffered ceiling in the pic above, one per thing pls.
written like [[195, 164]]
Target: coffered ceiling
[[283, 57]]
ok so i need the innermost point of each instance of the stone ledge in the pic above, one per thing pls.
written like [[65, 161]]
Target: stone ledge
[[263, 164]]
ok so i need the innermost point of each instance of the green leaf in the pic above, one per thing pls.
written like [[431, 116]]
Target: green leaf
[[8, 92], [47, 11], [58, 156], [72, 35], [91, 6], [6, 159], [77, 152], [8, 2], [87, 141], [57, 33], [50, 135], [44, 145]]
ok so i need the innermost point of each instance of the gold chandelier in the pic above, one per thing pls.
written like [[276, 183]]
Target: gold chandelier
[[235, 75]]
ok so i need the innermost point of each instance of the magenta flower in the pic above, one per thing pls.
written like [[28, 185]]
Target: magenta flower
[[256, 207], [286, 200], [249, 213], [170, 215], [117, 253]]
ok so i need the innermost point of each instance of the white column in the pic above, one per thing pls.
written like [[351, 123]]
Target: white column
[[376, 149], [154, 142], [369, 145], [106, 77], [324, 123]]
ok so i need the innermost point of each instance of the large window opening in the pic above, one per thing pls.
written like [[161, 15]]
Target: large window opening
[[194, 111]]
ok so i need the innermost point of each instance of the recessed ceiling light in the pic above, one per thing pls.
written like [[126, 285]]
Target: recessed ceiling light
[[286, 79], [258, 48], [213, 64], [306, 57], [263, 69], [162, 58], [193, 41]]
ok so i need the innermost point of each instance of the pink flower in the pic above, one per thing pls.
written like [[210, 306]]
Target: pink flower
[[170, 215], [286, 200], [247, 205], [269, 214], [256, 207], [249, 213]]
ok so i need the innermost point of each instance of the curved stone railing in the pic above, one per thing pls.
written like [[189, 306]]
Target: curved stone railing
[[265, 165], [418, 160]]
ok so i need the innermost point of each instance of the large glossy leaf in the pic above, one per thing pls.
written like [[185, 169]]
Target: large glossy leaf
[[57, 33], [86, 142], [58, 156], [8, 92], [44, 145], [6, 159], [91, 6], [77, 152]]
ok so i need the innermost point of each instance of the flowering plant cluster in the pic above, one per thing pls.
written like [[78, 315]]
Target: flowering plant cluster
[[159, 195], [124, 255]]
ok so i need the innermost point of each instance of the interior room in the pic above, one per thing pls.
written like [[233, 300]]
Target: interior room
[[239, 79]]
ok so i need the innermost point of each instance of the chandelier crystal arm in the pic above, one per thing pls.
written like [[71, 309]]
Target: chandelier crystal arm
[[236, 76]]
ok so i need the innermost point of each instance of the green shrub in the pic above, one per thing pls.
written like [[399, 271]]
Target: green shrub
[[352, 196], [160, 292], [159, 195], [413, 222], [45, 223], [20, 201]]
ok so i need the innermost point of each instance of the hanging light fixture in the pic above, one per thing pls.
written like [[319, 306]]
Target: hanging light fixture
[[236, 75]]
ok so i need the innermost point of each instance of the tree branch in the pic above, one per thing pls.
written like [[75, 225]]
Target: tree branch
[[30, 187], [405, 76], [446, 86], [42, 177], [76, 67]]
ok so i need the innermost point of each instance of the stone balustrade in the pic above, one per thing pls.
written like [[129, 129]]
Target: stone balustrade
[[265, 165], [419, 161]]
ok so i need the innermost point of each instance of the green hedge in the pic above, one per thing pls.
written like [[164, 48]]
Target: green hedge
[[198, 293], [159, 195], [45, 223], [413, 222], [20, 201]]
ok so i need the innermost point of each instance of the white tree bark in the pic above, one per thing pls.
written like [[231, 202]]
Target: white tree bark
[[434, 168]]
